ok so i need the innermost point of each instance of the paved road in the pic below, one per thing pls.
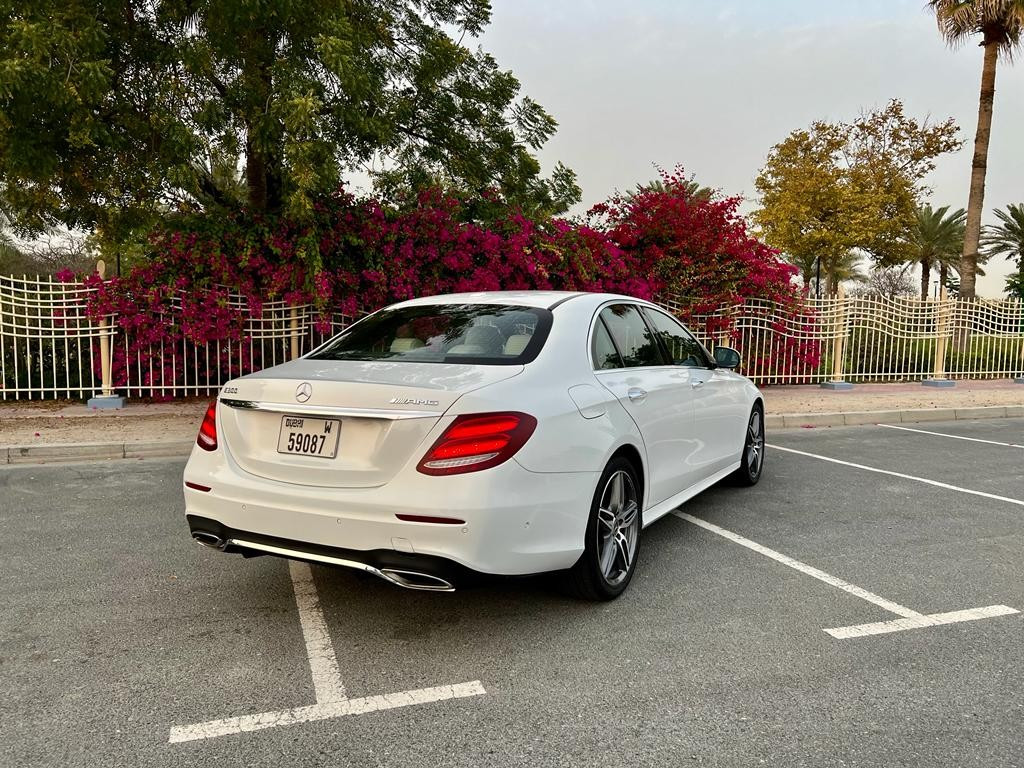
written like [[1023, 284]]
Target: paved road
[[115, 628]]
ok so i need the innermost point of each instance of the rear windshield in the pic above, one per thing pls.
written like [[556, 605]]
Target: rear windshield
[[480, 334]]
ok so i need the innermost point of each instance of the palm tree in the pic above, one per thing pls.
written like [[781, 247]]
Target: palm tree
[[692, 190], [937, 240], [1000, 24], [845, 266], [1007, 239]]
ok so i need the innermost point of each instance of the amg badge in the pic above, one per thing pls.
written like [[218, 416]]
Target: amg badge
[[411, 401]]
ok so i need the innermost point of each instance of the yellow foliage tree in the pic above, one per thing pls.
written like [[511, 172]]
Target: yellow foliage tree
[[838, 187]]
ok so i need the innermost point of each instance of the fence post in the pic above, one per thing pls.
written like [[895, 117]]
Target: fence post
[[1020, 327], [840, 331], [942, 317], [106, 398], [294, 331]]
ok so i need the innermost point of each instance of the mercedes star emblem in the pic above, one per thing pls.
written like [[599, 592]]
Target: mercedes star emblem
[[303, 391]]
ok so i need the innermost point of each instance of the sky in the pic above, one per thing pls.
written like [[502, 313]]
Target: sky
[[714, 85]]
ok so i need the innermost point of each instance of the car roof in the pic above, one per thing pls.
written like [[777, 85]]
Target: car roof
[[539, 299]]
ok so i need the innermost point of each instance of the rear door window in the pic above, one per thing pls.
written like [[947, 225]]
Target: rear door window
[[633, 338], [480, 334]]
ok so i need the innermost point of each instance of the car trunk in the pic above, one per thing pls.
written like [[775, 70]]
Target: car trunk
[[383, 411]]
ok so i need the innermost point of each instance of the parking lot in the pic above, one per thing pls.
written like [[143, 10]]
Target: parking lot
[[856, 608]]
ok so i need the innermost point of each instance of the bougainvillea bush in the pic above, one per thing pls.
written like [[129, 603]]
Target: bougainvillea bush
[[207, 275]]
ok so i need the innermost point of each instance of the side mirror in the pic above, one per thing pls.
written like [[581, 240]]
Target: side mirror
[[727, 357]]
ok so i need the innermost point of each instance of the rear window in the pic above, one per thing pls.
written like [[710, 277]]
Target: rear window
[[479, 334]]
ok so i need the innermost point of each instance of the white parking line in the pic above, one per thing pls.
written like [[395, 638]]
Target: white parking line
[[925, 480], [853, 589], [955, 437], [326, 711], [331, 700], [910, 619], [933, 620], [323, 664]]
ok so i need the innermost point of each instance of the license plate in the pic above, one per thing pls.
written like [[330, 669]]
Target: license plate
[[309, 437]]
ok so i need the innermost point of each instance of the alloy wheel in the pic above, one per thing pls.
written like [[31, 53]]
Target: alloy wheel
[[755, 443], [618, 529]]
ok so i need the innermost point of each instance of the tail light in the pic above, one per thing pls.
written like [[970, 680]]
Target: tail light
[[207, 437], [477, 441]]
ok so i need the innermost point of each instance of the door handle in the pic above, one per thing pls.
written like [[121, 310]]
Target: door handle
[[697, 383], [636, 394]]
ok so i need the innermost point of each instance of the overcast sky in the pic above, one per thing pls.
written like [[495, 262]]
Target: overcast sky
[[713, 85]]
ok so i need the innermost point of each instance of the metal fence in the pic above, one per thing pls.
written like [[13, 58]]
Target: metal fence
[[51, 348]]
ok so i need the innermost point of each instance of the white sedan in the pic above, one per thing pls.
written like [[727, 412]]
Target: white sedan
[[499, 433]]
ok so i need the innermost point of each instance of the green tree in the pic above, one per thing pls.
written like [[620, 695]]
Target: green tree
[[111, 111], [1007, 239], [937, 241], [841, 187], [1000, 24]]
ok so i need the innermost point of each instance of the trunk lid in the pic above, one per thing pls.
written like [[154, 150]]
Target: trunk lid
[[384, 410]]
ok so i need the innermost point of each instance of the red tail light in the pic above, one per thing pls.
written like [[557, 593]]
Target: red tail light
[[207, 437], [477, 441]]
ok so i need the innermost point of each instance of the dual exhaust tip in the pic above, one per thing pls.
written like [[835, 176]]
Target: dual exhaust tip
[[417, 580]]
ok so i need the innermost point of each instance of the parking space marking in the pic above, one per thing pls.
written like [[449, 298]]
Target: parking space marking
[[828, 578], [915, 622], [331, 699], [925, 480], [323, 663], [955, 437], [246, 723], [910, 619]]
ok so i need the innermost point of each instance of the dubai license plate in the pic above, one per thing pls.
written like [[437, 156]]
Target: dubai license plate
[[303, 436]]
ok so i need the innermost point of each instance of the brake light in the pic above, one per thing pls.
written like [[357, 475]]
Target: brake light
[[477, 441], [207, 437]]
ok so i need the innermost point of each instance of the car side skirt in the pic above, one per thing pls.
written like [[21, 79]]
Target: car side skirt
[[662, 509]]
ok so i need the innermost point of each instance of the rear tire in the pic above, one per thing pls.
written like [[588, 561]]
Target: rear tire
[[612, 543], [752, 459]]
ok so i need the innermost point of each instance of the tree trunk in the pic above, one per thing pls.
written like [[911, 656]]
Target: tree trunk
[[926, 273], [263, 140], [255, 176], [943, 273], [976, 201]]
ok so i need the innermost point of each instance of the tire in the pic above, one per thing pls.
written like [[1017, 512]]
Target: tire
[[612, 544], [752, 459]]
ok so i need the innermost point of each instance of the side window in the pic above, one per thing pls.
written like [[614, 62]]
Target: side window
[[682, 347], [632, 337], [602, 351]]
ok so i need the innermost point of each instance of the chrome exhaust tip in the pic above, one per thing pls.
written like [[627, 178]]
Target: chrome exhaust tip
[[209, 540], [417, 580]]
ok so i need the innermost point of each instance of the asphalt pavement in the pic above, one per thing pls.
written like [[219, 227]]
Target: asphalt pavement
[[117, 632]]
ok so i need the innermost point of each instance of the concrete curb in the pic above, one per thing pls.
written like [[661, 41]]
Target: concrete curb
[[63, 452], [907, 416]]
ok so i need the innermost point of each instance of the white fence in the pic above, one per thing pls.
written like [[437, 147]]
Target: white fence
[[870, 339], [49, 347]]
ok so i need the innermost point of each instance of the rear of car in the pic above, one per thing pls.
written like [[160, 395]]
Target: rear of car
[[391, 448]]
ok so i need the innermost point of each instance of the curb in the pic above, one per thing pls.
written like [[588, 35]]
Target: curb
[[909, 416], [61, 452]]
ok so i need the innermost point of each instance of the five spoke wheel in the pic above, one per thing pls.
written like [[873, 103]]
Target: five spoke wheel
[[752, 458], [618, 527], [755, 443]]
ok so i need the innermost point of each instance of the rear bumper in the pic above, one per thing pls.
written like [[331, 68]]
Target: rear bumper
[[514, 522]]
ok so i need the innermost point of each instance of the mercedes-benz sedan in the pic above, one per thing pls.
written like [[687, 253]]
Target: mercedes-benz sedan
[[498, 433]]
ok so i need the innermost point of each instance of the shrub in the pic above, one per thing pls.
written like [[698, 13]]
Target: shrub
[[356, 255]]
